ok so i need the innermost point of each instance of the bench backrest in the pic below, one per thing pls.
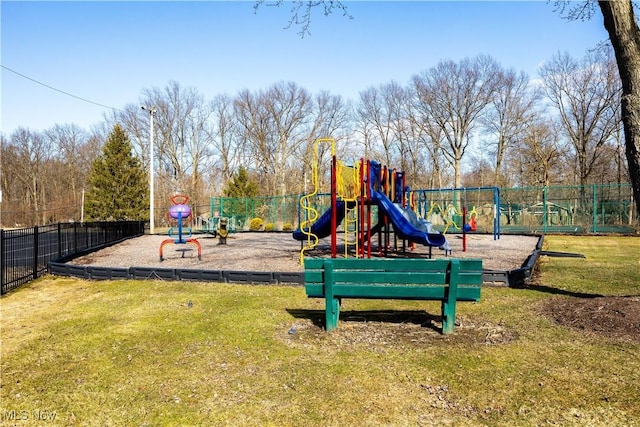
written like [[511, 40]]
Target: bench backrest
[[398, 278]]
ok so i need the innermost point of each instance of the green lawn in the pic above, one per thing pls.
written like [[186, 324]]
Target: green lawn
[[155, 353]]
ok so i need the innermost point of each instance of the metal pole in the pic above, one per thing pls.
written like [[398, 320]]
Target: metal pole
[[82, 208], [151, 191], [152, 112]]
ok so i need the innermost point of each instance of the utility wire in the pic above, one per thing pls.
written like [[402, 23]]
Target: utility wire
[[58, 90]]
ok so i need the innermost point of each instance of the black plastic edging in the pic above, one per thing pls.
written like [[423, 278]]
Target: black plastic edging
[[515, 277], [136, 273]]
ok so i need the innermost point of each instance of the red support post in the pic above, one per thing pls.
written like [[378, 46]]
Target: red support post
[[361, 221], [368, 209], [464, 229]]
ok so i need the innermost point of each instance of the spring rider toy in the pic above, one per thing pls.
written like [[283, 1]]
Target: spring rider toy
[[180, 211], [222, 231]]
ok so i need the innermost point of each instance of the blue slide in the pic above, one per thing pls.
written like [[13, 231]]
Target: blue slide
[[322, 227], [407, 225]]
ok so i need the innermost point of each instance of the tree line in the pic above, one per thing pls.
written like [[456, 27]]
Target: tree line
[[457, 124]]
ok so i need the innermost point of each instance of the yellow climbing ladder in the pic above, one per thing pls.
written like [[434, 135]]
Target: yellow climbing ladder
[[348, 190], [310, 214]]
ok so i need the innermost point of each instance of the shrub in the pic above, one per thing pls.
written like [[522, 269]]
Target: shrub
[[287, 226], [256, 224], [269, 226]]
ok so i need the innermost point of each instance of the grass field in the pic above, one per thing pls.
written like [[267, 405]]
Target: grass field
[[151, 353]]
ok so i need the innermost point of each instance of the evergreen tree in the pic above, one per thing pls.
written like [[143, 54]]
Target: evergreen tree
[[118, 183], [241, 185], [241, 188]]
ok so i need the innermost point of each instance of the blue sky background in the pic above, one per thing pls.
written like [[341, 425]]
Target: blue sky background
[[108, 52]]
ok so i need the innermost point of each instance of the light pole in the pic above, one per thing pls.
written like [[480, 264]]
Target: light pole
[[152, 113]]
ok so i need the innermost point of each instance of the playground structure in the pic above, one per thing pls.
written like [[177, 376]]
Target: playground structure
[[371, 200], [180, 212]]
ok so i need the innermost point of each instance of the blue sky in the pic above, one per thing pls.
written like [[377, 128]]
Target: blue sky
[[109, 52]]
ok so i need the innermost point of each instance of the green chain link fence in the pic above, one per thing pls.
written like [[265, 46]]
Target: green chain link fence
[[555, 209], [569, 209]]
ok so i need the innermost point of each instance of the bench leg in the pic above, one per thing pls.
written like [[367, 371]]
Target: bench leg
[[332, 304], [448, 316], [449, 303], [332, 313]]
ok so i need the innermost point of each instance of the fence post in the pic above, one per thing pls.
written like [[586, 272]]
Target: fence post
[[544, 209], [75, 237], [496, 213], [2, 262], [595, 208], [246, 210], [35, 252], [59, 240]]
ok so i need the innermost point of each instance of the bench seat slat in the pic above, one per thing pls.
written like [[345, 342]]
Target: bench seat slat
[[388, 291], [316, 276], [392, 264], [379, 264], [413, 277], [471, 277], [465, 293]]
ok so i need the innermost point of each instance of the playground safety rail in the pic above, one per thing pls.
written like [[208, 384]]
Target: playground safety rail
[[26, 252]]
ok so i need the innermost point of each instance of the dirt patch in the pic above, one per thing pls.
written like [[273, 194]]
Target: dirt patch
[[612, 316], [380, 331]]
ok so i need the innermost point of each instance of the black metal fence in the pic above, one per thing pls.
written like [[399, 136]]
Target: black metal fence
[[25, 252]]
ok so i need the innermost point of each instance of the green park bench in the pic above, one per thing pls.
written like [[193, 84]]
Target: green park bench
[[445, 280]]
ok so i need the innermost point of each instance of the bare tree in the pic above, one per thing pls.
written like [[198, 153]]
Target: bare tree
[[624, 33], [375, 112], [254, 122], [135, 121], [182, 139], [364, 134], [584, 94], [12, 189], [406, 149], [330, 119], [412, 139], [301, 11], [621, 165], [455, 95], [226, 138], [510, 109], [480, 173], [32, 154], [67, 142], [398, 129], [429, 135], [538, 157], [276, 124]]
